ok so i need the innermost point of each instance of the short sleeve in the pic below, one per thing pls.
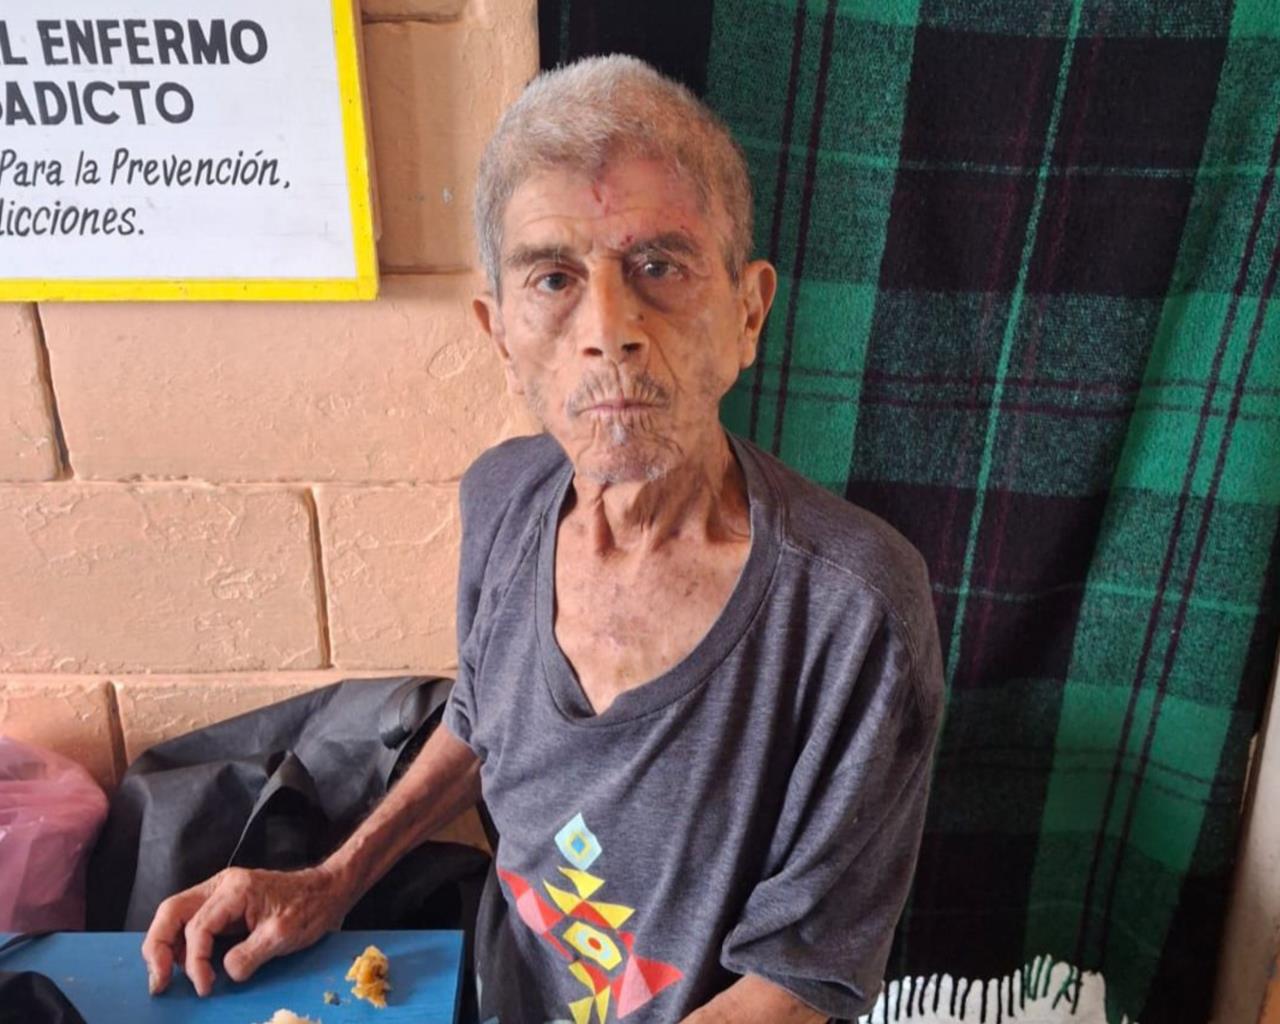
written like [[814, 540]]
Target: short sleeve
[[496, 492], [459, 713], [821, 921]]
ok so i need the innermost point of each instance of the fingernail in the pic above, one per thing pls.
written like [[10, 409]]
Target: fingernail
[[153, 982]]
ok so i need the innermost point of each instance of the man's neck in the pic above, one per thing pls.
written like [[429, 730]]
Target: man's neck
[[703, 499]]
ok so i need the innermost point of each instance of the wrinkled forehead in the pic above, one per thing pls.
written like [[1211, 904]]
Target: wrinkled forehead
[[610, 204]]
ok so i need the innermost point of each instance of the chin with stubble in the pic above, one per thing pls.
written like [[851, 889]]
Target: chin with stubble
[[614, 431]]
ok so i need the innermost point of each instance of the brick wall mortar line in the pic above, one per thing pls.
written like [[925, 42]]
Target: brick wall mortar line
[[427, 269], [157, 484], [298, 675], [65, 470], [411, 19], [322, 589]]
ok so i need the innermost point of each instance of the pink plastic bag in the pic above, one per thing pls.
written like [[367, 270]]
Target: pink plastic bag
[[50, 814]]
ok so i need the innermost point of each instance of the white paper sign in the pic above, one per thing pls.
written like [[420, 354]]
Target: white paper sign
[[182, 149]]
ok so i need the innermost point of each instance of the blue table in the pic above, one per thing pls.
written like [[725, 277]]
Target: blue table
[[103, 975]]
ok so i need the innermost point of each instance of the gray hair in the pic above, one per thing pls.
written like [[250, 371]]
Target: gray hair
[[581, 116]]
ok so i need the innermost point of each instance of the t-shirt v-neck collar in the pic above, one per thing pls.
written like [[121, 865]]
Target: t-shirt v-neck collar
[[716, 643]]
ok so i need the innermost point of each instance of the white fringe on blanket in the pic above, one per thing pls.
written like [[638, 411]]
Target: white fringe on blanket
[[1042, 992]]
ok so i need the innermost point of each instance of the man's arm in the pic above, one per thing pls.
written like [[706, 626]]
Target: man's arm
[[287, 911], [752, 1000]]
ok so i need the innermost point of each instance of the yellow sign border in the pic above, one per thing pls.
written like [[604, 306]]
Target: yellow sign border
[[363, 286]]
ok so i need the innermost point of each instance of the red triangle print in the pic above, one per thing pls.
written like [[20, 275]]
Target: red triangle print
[[597, 976], [534, 911], [642, 980], [657, 975], [518, 885], [558, 946], [586, 912]]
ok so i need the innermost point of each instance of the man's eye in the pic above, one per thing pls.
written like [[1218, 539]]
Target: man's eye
[[557, 281], [656, 270]]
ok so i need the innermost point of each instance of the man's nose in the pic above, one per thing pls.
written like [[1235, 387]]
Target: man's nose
[[612, 322]]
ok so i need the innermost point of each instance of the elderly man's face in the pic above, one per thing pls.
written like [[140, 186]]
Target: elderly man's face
[[618, 320]]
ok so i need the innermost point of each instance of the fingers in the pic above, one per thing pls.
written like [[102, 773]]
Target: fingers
[[186, 925], [164, 935], [158, 956], [263, 943], [224, 908]]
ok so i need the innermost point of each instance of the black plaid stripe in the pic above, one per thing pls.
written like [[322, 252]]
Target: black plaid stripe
[[1120, 18], [808, 187], [672, 35]]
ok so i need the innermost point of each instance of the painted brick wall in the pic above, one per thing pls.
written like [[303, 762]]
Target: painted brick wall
[[206, 508]]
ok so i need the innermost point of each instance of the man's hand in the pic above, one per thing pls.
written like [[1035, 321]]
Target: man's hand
[[752, 1000], [282, 912], [287, 911]]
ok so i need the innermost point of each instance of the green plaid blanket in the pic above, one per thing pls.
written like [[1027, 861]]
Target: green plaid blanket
[[1027, 250]]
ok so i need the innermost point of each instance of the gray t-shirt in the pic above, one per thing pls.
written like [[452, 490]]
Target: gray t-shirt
[[755, 809]]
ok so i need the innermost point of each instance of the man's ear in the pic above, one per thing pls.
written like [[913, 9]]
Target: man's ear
[[759, 286], [489, 312]]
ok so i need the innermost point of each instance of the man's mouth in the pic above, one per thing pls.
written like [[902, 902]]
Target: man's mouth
[[611, 394], [619, 405]]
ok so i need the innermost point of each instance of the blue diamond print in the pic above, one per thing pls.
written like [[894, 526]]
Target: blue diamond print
[[578, 843]]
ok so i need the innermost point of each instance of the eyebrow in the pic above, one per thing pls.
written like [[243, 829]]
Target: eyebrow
[[676, 243], [529, 255]]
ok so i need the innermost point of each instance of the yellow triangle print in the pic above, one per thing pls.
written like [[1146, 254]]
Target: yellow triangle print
[[585, 884], [614, 913], [564, 900], [602, 1005], [581, 1010], [580, 972]]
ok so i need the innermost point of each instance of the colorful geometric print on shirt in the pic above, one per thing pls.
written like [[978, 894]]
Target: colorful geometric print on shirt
[[588, 933]]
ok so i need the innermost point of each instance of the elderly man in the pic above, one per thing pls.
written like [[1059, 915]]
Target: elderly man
[[698, 694]]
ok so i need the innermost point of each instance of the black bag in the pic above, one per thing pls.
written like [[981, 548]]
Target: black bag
[[30, 998], [280, 788]]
